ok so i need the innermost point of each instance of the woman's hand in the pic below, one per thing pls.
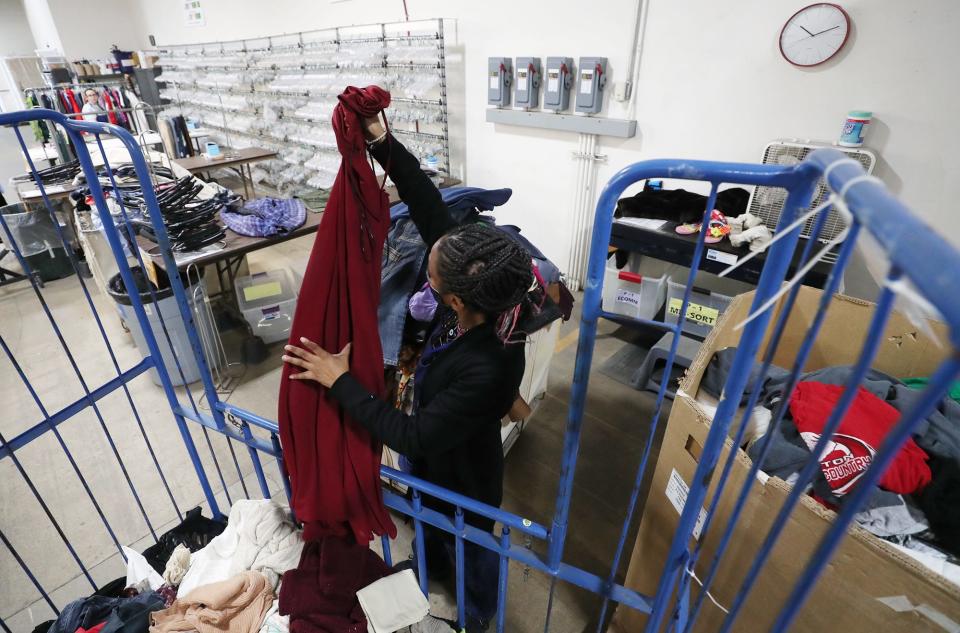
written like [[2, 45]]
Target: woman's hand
[[372, 128], [318, 364]]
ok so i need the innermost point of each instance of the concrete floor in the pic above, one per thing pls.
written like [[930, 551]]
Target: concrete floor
[[614, 431]]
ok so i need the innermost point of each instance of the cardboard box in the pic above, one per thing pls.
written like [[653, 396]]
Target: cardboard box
[[864, 570]]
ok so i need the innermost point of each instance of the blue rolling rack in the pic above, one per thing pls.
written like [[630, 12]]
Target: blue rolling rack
[[916, 254]]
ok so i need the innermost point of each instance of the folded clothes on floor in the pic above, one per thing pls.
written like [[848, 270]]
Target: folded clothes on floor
[[235, 605], [259, 536], [320, 595], [393, 602]]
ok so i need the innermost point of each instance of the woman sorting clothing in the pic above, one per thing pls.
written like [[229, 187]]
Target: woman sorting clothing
[[91, 107], [467, 378]]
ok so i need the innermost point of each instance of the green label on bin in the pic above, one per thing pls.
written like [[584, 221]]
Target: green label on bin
[[704, 315], [262, 291]]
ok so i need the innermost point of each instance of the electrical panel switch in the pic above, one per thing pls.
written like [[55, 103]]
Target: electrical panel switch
[[591, 79], [526, 89], [499, 78], [556, 91]]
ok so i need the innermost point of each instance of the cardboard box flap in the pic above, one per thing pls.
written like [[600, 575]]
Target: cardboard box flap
[[905, 351]]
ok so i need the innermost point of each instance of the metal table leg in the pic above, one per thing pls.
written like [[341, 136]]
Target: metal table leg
[[253, 192]]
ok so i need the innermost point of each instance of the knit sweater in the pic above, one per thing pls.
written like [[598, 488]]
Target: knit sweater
[[235, 605]]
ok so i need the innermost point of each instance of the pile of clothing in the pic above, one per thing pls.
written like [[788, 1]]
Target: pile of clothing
[[728, 219], [264, 217], [917, 503], [251, 574]]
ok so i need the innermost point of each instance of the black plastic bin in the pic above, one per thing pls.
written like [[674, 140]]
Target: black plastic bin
[[36, 237]]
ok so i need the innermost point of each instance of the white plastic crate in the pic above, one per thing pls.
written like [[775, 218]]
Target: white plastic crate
[[268, 301], [703, 311], [632, 294]]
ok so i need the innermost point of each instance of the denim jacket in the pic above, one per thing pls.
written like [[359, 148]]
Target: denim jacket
[[404, 259]]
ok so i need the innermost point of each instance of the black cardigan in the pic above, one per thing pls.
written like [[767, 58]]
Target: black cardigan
[[453, 439]]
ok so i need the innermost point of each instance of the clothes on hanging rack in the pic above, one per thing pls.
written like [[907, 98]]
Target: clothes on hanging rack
[[39, 128], [49, 99]]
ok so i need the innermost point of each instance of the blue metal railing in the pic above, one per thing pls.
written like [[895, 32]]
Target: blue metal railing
[[900, 235]]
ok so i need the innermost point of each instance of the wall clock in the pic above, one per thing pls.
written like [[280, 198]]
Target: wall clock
[[814, 34]]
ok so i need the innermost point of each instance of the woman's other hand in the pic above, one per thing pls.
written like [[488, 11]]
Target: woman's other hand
[[317, 363]]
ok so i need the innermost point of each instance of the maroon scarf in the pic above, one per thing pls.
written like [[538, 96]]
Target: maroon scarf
[[333, 463]]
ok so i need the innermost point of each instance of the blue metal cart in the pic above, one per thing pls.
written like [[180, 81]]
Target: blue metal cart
[[917, 256]]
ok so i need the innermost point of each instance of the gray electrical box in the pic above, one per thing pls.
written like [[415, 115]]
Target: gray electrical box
[[526, 88], [591, 78], [556, 87], [499, 78]]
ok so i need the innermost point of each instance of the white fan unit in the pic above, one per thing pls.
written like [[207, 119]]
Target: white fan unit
[[767, 202]]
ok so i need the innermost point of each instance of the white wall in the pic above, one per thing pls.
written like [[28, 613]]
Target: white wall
[[88, 28], [42, 25], [712, 85], [81, 28], [15, 35]]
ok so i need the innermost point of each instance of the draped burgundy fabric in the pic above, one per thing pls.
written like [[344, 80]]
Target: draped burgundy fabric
[[320, 595], [333, 462]]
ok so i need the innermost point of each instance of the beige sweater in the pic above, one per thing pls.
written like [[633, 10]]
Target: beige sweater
[[235, 605]]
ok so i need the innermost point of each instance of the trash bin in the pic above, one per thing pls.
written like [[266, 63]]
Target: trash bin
[[166, 305], [96, 250], [36, 237]]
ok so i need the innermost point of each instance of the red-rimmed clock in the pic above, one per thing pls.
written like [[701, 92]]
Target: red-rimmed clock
[[814, 34]]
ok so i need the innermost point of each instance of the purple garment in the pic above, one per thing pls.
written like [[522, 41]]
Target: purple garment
[[266, 216], [423, 304]]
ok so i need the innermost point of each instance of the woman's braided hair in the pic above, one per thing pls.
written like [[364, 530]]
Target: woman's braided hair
[[485, 267]]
